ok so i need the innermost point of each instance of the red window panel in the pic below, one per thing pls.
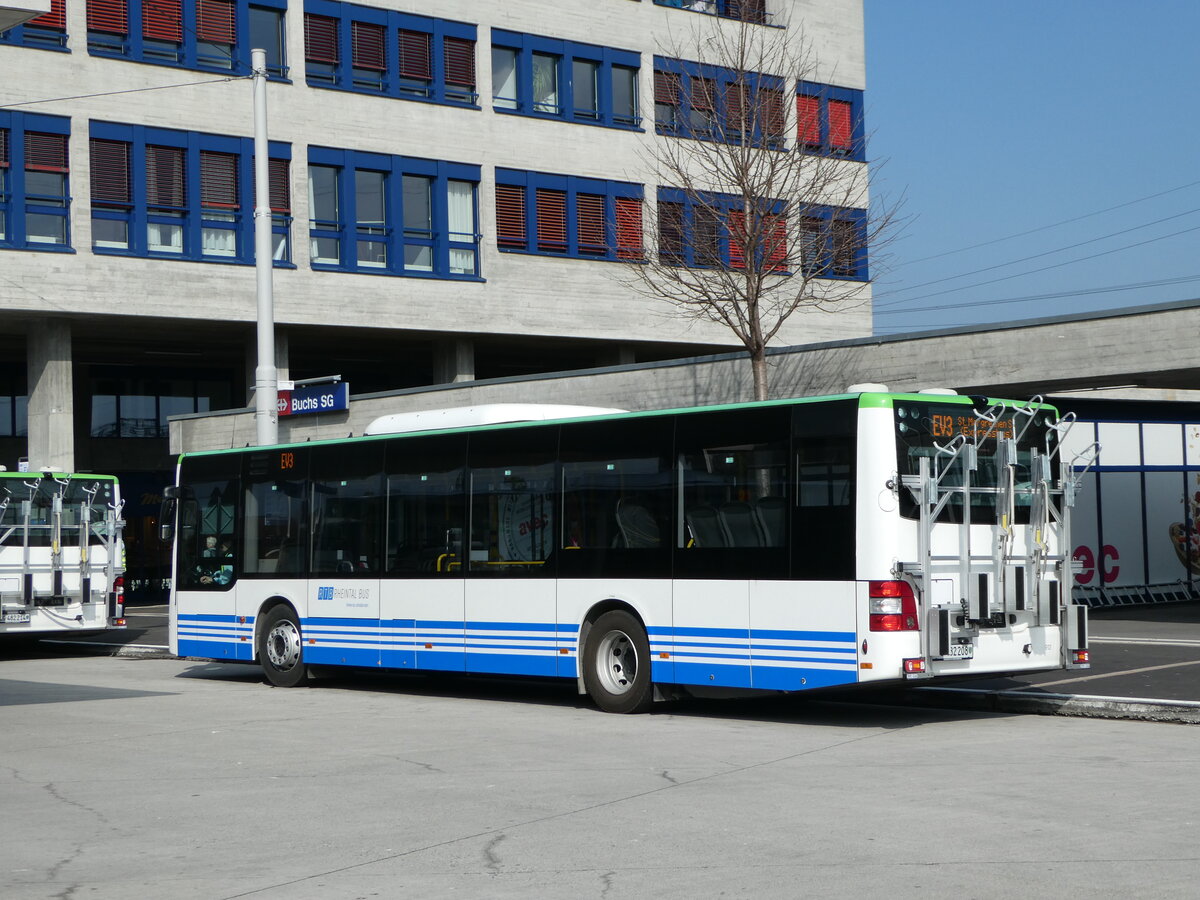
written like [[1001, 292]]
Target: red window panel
[[736, 224], [218, 180], [551, 212], [162, 20], [367, 46], [589, 219], [841, 130], [775, 250], [771, 118], [629, 228], [320, 39], [45, 152], [109, 171], [56, 18], [415, 55], [109, 16], [164, 176], [666, 88], [215, 21], [3, 148], [510, 216], [735, 107], [460, 62], [703, 94], [808, 120]]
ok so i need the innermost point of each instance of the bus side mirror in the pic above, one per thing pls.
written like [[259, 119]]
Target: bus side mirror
[[166, 514]]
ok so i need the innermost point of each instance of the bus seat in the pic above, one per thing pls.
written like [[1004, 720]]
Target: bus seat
[[738, 521], [705, 527], [638, 527], [770, 513]]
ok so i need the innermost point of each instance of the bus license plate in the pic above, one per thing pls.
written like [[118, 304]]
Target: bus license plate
[[15, 618], [964, 650]]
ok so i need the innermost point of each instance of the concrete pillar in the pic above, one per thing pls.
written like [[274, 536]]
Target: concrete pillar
[[282, 369], [454, 362], [51, 404]]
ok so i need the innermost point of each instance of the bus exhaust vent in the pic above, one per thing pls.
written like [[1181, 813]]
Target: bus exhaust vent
[[486, 414]]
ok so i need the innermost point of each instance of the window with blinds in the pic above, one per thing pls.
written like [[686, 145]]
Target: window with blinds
[[390, 53], [187, 195], [47, 31], [829, 120], [34, 196], [585, 218]]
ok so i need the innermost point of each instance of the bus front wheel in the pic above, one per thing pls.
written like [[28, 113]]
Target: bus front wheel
[[616, 664], [281, 651]]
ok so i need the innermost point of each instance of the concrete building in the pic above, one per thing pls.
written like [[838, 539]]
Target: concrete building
[[454, 186]]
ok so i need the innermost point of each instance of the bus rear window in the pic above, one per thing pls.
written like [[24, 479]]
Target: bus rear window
[[933, 430]]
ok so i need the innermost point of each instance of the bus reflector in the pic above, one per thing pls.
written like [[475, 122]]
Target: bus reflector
[[893, 606], [1080, 656], [915, 666]]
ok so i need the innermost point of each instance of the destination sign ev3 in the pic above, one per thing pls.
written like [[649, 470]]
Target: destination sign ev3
[[314, 398]]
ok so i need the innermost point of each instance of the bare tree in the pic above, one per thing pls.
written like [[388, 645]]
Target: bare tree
[[762, 194]]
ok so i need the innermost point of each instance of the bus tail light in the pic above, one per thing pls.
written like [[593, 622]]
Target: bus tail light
[[893, 606], [915, 666], [1080, 657], [116, 599]]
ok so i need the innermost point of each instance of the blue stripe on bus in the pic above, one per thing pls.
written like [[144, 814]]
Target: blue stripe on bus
[[715, 674]]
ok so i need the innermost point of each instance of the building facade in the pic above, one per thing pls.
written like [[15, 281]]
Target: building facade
[[455, 189]]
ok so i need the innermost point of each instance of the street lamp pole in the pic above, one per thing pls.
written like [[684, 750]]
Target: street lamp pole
[[266, 377]]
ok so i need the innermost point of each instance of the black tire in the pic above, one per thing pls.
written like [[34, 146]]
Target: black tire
[[280, 649], [616, 664]]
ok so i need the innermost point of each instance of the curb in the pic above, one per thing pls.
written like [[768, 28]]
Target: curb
[[125, 651], [1182, 712]]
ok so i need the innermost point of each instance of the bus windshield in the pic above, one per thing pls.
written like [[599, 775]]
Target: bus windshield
[[922, 428]]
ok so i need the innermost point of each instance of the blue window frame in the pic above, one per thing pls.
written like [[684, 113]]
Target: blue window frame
[[566, 215], [35, 199], [393, 54], [711, 231], [392, 215], [829, 120], [46, 32], [832, 243], [692, 100], [754, 11], [211, 35], [557, 79], [168, 194]]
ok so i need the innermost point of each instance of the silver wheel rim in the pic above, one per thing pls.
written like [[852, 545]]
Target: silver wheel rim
[[283, 645], [616, 662]]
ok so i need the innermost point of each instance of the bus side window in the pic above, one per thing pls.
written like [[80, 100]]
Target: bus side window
[[514, 502], [347, 508], [276, 515], [426, 511]]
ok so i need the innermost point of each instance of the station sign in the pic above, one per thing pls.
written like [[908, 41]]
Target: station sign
[[310, 399]]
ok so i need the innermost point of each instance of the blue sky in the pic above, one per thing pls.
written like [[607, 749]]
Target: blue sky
[[994, 119]]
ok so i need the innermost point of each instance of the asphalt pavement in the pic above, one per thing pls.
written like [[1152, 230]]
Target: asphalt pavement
[[1145, 664]]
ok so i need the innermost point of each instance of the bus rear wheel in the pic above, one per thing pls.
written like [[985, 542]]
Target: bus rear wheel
[[280, 650], [616, 664]]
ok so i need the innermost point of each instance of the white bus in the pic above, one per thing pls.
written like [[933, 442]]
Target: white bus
[[62, 557], [864, 538]]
